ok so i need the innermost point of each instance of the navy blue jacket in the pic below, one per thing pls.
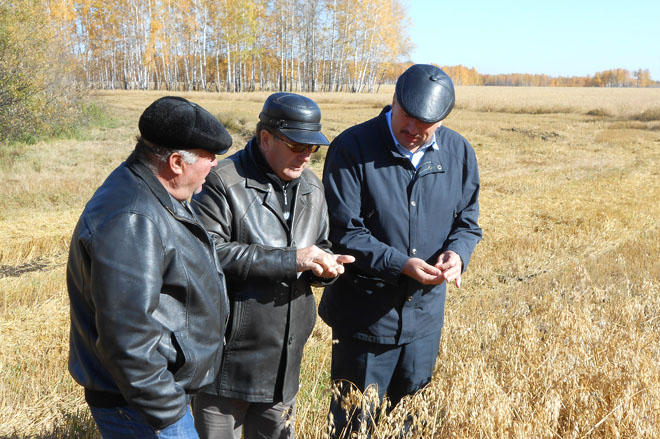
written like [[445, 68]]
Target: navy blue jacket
[[383, 212]]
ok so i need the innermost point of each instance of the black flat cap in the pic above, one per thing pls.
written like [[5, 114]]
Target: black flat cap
[[425, 92], [176, 123], [295, 116]]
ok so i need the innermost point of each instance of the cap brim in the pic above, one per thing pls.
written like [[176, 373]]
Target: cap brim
[[305, 136]]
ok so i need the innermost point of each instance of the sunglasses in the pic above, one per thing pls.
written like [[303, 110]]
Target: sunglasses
[[298, 147]]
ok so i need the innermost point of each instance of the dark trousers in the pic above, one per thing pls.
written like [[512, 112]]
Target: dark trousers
[[226, 418], [396, 370]]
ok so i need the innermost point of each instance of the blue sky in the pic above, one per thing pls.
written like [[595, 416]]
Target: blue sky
[[558, 38]]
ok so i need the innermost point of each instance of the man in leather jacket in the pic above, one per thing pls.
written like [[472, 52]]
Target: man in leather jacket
[[268, 217], [148, 299], [402, 191]]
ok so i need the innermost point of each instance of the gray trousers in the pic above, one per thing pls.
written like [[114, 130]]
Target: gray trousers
[[217, 417]]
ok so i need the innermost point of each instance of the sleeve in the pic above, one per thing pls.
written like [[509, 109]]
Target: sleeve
[[465, 232], [323, 241], [324, 244], [127, 266], [238, 259], [344, 184]]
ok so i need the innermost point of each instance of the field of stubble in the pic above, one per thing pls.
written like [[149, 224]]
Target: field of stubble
[[555, 332]]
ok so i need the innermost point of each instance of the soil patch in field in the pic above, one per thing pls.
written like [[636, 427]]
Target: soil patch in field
[[18, 270], [533, 134]]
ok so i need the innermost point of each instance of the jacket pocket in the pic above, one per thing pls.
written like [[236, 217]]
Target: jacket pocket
[[368, 284], [185, 363], [235, 322]]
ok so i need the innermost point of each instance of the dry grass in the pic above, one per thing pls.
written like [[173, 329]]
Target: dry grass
[[555, 333], [622, 102]]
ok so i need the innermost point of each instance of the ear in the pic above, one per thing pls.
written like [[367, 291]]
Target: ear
[[265, 140], [175, 163]]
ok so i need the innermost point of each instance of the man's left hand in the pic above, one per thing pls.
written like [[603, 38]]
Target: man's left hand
[[451, 266]]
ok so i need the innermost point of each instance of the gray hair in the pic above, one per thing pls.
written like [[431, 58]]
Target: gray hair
[[154, 156]]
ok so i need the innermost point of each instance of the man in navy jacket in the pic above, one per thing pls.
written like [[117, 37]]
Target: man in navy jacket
[[402, 193]]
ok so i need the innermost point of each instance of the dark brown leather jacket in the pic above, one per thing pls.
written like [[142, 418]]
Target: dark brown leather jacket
[[273, 310]]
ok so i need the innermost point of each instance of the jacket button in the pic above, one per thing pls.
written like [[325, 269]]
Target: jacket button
[[291, 340], [414, 251], [413, 203], [409, 298]]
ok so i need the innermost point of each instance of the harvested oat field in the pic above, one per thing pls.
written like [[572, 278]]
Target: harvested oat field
[[555, 332]]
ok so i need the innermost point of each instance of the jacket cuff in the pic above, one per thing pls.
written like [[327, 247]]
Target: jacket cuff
[[397, 263], [463, 254], [290, 263]]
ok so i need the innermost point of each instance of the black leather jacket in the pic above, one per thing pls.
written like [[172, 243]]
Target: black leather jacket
[[148, 300], [273, 310]]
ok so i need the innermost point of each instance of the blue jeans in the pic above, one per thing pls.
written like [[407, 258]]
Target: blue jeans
[[127, 423]]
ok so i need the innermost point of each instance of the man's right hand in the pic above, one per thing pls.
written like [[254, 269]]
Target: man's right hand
[[422, 272], [321, 263]]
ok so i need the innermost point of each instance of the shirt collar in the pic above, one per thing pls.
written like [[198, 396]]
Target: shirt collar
[[414, 157], [431, 143]]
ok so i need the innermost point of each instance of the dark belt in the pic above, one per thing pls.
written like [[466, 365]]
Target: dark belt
[[104, 400]]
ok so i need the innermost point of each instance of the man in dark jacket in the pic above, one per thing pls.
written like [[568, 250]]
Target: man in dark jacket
[[148, 299], [402, 192], [268, 217]]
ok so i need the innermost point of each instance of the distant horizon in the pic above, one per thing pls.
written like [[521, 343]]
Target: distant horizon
[[527, 73]]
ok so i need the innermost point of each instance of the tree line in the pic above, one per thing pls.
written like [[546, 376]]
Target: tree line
[[606, 78], [462, 75], [233, 45]]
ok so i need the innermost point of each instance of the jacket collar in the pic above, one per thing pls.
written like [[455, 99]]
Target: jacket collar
[[386, 134], [431, 162], [156, 187], [257, 178], [145, 174]]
